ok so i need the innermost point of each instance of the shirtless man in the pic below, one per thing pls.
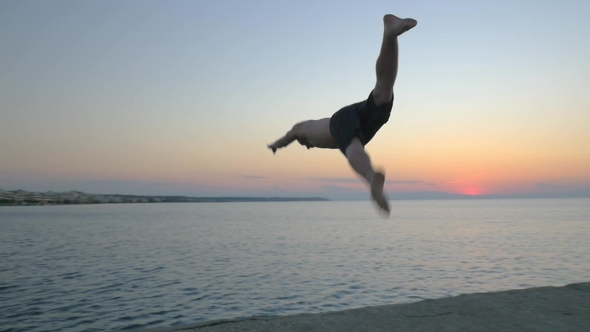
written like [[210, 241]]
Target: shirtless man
[[353, 126]]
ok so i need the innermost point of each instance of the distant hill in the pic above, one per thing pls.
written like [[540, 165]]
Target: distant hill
[[426, 195], [22, 197], [172, 199], [432, 195]]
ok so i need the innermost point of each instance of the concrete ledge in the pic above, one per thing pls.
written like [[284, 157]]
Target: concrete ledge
[[535, 309]]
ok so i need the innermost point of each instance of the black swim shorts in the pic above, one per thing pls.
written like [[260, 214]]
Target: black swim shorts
[[362, 120]]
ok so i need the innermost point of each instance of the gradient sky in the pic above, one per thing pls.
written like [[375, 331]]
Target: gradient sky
[[181, 97]]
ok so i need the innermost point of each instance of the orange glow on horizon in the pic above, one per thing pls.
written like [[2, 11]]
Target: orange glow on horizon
[[472, 191]]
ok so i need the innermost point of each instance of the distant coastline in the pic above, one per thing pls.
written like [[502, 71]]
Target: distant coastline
[[23, 197], [28, 198]]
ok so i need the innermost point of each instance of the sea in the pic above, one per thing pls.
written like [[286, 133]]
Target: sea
[[135, 266]]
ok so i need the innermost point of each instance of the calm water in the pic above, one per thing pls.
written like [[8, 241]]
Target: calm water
[[104, 267]]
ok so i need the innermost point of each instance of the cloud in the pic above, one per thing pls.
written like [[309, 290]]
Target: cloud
[[562, 188], [356, 180], [403, 182], [558, 186], [339, 189], [544, 185], [122, 187], [455, 182], [245, 176], [336, 180]]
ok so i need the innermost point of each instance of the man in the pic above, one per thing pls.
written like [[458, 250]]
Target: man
[[353, 126]]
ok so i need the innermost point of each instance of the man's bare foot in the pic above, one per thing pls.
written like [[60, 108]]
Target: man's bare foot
[[377, 191], [395, 26]]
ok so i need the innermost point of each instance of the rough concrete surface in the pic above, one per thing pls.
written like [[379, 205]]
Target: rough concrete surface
[[535, 309]]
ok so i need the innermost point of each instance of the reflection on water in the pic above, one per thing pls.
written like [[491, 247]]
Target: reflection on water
[[103, 267]]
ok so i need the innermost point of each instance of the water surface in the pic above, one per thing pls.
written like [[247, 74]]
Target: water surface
[[104, 267]]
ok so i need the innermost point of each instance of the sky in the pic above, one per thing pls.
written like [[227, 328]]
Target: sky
[[182, 97]]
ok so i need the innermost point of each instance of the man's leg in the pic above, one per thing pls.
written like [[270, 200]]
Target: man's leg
[[386, 69], [359, 161], [387, 62]]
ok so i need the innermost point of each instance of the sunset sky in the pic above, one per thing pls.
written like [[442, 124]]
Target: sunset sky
[[182, 97]]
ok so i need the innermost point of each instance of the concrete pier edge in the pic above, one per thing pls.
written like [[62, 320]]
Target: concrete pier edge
[[548, 308]]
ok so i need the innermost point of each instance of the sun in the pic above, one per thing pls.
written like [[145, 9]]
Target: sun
[[472, 191]]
